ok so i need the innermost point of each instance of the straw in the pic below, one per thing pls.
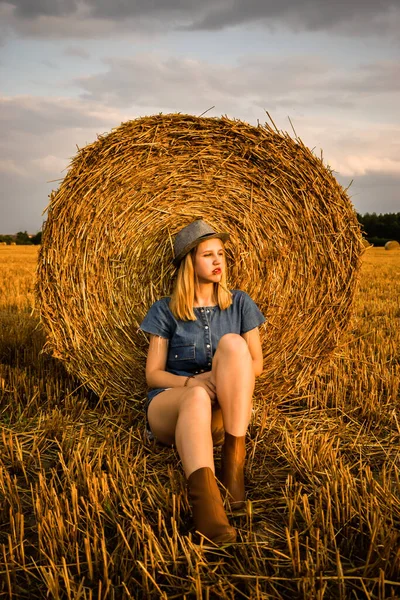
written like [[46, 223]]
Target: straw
[[106, 251]]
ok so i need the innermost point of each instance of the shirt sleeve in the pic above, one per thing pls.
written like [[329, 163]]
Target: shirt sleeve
[[251, 315], [158, 320]]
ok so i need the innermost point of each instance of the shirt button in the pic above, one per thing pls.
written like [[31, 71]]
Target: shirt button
[[206, 327], [208, 346], [208, 311], [201, 370], [196, 372], [176, 356], [209, 364], [202, 309]]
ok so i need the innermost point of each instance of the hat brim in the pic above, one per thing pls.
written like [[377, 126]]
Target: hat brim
[[221, 236]]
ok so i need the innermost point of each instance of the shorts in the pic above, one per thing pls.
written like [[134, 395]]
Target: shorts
[[152, 394]]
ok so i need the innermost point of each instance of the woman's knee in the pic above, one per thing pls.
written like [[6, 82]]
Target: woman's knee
[[233, 343], [196, 401]]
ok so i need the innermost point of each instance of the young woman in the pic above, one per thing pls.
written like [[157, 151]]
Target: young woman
[[203, 357]]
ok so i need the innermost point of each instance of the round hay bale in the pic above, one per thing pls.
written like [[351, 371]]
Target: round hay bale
[[106, 251], [392, 245]]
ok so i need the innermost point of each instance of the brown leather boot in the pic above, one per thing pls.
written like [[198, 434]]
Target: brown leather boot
[[208, 511], [232, 469]]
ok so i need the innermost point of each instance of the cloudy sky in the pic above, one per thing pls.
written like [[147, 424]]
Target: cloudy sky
[[72, 69]]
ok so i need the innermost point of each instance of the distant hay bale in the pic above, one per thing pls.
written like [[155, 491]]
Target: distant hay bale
[[13, 243], [107, 245], [3, 243], [393, 245]]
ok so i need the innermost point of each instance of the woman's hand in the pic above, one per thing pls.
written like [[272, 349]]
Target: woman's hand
[[205, 381], [203, 376]]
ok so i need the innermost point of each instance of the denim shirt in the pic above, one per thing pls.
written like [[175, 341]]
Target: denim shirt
[[192, 344]]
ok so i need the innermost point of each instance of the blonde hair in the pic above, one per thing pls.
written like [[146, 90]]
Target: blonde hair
[[182, 298]]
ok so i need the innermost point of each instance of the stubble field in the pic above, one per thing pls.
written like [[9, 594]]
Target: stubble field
[[90, 509]]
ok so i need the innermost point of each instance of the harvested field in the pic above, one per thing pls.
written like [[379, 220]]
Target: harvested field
[[89, 510]]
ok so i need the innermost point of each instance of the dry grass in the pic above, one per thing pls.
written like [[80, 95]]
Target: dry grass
[[89, 510], [107, 245]]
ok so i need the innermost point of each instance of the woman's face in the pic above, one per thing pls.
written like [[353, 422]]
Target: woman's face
[[209, 261]]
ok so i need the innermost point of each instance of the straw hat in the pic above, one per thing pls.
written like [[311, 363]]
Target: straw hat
[[191, 235]]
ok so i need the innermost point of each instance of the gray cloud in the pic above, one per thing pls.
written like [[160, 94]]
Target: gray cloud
[[29, 9], [49, 63], [288, 82], [147, 80], [351, 114], [39, 138], [374, 192], [311, 15], [117, 9], [76, 51], [331, 107], [139, 8], [383, 76], [22, 202], [38, 116], [358, 17]]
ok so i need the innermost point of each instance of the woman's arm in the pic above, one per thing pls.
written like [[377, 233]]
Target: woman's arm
[[156, 375], [252, 338]]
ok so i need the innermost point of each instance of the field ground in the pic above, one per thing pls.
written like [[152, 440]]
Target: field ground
[[89, 509]]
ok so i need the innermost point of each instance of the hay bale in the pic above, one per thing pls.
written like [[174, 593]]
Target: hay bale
[[392, 245], [107, 245]]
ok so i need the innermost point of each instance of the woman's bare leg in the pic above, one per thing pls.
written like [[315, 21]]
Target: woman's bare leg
[[184, 416], [233, 376], [217, 426]]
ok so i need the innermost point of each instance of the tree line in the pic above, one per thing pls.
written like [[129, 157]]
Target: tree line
[[379, 229], [22, 238]]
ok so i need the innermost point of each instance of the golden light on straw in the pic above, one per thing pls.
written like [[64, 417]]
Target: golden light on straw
[[106, 254]]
